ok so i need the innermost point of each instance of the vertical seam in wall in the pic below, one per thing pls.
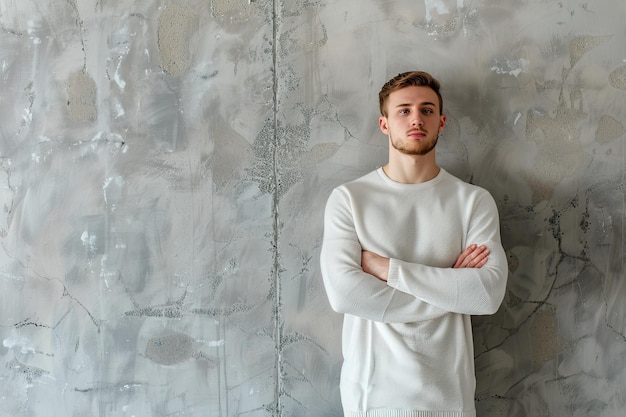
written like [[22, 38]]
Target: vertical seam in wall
[[623, 219], [276, 221]]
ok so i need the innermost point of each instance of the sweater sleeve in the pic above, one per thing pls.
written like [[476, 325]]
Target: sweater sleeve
[[349, 289], [475, 291]]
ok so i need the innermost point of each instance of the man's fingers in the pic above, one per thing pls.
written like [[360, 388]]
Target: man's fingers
[[479, 260], [481, 263], [462, 259], [478, 257], [473, 257]]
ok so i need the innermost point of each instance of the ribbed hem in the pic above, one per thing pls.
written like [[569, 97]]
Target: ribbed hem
[[393, 273], [409, 413]]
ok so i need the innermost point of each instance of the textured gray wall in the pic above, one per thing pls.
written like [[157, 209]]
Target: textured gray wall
[[165, 164]]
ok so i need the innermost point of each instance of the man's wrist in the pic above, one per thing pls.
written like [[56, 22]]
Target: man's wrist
[[392, 272]]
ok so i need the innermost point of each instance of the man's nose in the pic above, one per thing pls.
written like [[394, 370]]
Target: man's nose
[[417, 121]]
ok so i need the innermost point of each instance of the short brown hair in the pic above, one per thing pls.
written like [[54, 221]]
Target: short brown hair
[[408, 79]]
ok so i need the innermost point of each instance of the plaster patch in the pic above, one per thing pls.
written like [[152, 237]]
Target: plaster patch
[[81, 97], [617, 78], [580, 45], [560, 152], [177, 24], [609, 129], [545, 337], [169, 350], [223, 7]]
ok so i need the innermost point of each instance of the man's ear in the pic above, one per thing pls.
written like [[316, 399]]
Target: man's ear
[[382, 123], [442, 123]]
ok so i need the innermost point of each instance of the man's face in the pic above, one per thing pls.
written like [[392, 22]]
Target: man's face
[[413, 120]]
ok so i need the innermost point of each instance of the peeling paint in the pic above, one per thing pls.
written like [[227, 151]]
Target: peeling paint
[[509, 66]]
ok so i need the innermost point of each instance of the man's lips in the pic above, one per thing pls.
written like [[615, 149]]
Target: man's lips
[[416, 134]]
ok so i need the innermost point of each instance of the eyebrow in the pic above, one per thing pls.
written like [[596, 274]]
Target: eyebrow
[[426, 103]]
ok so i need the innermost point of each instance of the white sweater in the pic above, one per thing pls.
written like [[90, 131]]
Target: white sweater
[[407, 342]]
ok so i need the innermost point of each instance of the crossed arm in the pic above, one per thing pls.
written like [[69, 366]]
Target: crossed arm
[[473, 257], [358, 293], [405, 292]]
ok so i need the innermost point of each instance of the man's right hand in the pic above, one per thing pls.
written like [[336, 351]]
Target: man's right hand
[[473, 257]]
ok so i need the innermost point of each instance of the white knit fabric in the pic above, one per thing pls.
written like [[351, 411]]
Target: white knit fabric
[[407, 343]]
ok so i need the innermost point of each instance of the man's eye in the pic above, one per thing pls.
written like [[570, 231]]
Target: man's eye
[[427, 111], [404, 111]]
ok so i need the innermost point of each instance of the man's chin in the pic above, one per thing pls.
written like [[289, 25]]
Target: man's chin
[[421, 151]]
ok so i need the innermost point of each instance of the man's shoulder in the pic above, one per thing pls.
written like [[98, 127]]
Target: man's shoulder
[[463, 187], [356, 189], [367, 179]]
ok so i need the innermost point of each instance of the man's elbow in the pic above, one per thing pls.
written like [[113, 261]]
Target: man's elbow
[[338, 304], [493, 307], [487, 308], [494, 299]]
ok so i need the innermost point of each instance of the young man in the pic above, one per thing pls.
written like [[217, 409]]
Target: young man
[[409, 253]]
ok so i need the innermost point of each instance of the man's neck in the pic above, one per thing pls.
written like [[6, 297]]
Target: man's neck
[[412, 169]]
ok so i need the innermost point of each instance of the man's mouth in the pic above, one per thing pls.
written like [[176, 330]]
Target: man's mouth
[[416, 134]]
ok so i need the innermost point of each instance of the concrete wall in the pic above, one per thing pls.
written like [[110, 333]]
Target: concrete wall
[[165, 164]]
